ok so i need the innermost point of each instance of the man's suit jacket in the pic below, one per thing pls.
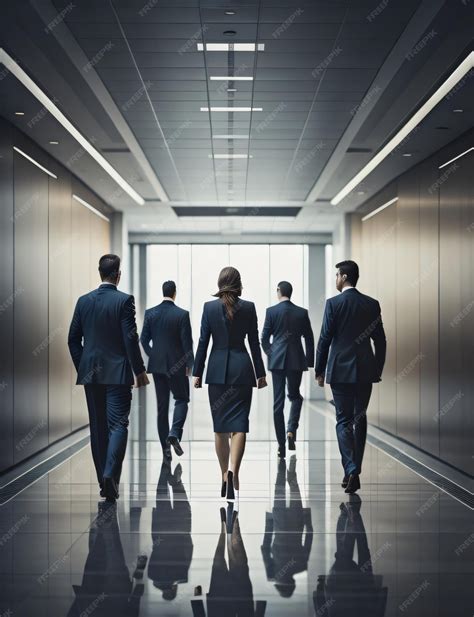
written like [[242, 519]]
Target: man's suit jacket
[[350, 321], [169, 328], [229, 361], [288, 323], [103, 339]]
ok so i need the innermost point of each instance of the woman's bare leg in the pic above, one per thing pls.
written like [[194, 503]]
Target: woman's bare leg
[[223, 452], [237, 449]]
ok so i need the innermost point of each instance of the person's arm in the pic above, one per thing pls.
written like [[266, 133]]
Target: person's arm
[[266, 333], [187, 342], [130, 336], [254, 344], [380, 342], [325, 339], [201, 352], [75, 336], [308, 341], [145, 336]]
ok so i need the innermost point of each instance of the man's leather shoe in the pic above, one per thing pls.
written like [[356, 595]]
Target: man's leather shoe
[[281, 452], [353, 484], [344, 482], [110, 489], [174, 441]]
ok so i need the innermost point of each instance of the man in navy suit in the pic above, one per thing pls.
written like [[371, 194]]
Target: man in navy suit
[[103, 343], [171, 359], [287, 323], [350, 321]]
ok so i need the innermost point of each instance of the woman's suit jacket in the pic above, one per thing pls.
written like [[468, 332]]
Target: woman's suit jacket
[[229, 361]]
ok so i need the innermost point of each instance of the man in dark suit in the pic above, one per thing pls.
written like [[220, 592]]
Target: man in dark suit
[[171, 359], [350, 321], [287, 323], [103, 342]]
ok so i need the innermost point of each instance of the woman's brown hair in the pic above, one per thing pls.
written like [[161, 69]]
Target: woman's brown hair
[[230, 288]]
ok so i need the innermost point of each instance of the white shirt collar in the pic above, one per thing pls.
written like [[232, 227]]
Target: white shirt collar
[[168, 299], [346, 288]]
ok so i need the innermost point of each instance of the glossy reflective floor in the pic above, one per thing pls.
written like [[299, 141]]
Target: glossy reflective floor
[[298, 545]]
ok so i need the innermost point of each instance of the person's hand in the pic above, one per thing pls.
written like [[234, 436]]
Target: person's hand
[[197, 382], [141, 380], [320, 380], [189, 371], [261, 383]]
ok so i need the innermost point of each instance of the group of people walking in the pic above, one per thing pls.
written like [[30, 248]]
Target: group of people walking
[[104, 346]]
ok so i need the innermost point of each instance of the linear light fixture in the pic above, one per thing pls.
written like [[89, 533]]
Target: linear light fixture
[[230, 109], [91, 208], [48, 104], [456, 157], [379, 209], [231, 46], [230, 137], [230, 156], [46, 171], [466, 65], [230, 78]]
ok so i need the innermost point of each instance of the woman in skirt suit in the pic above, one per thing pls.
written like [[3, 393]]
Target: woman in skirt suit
[[230, 373]]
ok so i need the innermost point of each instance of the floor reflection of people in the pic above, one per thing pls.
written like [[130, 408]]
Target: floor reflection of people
[[107, 589], [230, 591], [350, 588], [171, 534], [285, 551]]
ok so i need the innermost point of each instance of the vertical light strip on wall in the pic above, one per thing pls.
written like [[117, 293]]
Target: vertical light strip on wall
[[91, 208], [46, 171], [48, 104]]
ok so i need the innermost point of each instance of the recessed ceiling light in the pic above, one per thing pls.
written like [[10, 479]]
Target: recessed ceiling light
[[19, 113], [455, 77], [230, 156], [360, 192], [32, 160], [458, 111], [230, 46], [456, 157], [230, 137], [380, 208], [406, 154], [54, 143], [231, 89], [229, 33], [230, 12], [91, 208], [231, 109], [230, 78]]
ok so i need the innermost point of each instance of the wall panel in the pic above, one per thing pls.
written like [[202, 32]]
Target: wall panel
[[30, 309], [60, 368], [7, 296]]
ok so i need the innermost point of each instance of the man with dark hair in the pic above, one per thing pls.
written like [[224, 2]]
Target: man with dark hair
[[103, 342], [168, 328], [287, 323], [350, 321]]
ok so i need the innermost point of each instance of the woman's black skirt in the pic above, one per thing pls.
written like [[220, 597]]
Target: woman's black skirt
[[230, 407]]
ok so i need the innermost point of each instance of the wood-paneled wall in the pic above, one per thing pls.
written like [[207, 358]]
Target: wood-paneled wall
[[50, 247], [417, 257]]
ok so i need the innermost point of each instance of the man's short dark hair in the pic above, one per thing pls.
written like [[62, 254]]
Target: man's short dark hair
[[109, 267], [169, 289], [350, 269], [286, 288]]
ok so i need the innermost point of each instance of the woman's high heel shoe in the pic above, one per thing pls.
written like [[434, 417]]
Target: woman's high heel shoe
[[230, 486]]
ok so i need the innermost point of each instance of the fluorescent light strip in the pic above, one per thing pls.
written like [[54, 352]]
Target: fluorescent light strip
[[46, 171], [456, 157], [466, 65], [230, 78], [48, 104], [230, 156], [230, 109], [230, 137], [231, 47], [91, 208], [377, 210]]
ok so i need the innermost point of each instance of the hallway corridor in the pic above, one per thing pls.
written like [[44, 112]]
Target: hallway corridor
[[403, 545]]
